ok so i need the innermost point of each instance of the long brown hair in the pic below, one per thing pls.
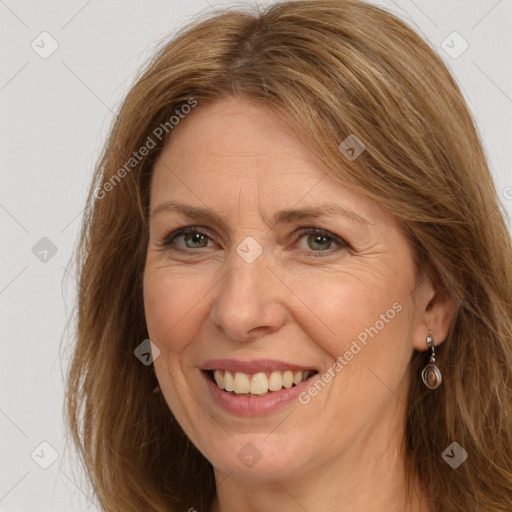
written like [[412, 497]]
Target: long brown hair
[[332, 69]]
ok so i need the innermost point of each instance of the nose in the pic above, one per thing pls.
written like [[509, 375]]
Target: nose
[[247, 305]]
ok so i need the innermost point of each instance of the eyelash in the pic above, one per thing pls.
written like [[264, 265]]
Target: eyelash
[[170, 237]]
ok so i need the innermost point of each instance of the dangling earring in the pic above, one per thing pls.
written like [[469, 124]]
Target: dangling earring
[[431, 375]]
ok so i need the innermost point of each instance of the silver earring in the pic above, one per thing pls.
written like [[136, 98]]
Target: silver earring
[[431, 375]]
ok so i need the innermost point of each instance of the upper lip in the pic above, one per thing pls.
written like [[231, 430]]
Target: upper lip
[[254, 366]]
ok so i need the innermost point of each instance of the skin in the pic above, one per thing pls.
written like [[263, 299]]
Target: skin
[[300, 301]]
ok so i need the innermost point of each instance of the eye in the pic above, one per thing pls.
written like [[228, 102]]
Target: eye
[[319, 240], [193, 237]]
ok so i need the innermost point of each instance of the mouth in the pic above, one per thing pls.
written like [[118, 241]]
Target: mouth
[[259, 384]]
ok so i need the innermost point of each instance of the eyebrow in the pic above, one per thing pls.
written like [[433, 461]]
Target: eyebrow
[[281, 216]]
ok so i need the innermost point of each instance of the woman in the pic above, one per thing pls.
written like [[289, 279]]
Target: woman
[[295, 208]]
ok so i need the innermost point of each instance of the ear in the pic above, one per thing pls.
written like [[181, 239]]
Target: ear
[[435, 313]]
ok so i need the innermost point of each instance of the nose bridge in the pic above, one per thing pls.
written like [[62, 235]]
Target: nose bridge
[[246, 296]]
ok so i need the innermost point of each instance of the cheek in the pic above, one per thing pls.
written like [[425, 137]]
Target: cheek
[[366, 322], [347, 306], [171, 307], [170, 302]]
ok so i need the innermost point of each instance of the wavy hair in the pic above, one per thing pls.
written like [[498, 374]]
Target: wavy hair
[[332, 69]]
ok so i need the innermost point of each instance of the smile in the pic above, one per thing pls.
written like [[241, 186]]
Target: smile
[[255, 387], [258, 384]]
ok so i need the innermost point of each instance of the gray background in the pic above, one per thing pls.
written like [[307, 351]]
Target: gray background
[[55, 112]]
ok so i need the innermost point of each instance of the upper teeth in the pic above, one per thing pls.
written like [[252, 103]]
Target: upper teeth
[[258, 383]]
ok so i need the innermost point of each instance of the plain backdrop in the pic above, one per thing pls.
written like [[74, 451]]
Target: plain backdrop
[[55, 113]]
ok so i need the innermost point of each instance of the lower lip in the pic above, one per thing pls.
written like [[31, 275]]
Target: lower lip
[[254, 405]]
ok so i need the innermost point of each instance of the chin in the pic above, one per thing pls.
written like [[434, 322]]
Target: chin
[[258, 457]]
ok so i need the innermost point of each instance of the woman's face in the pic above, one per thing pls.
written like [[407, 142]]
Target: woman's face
[[259, 296]]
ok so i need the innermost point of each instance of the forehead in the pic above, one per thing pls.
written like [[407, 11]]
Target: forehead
[[234, 135], [233, 153]]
